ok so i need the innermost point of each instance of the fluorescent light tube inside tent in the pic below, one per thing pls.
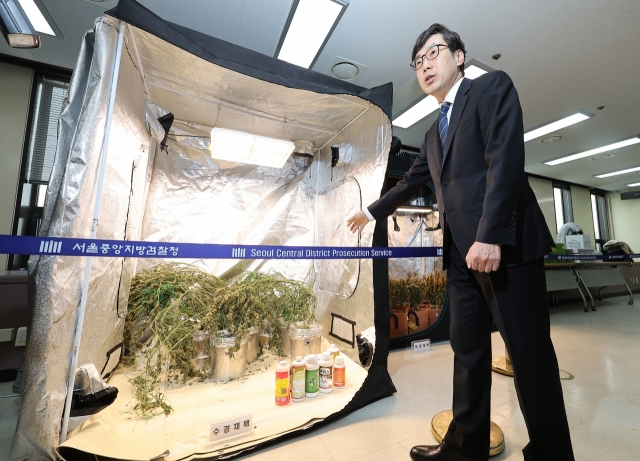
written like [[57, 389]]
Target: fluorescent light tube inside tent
[[238, 146]]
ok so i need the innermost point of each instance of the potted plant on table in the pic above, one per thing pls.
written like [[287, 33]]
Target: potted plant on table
[[418, 315], [399, 306], [437, 293]]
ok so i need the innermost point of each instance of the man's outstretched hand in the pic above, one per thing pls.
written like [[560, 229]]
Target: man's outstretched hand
[[483, 257], [357, 221]]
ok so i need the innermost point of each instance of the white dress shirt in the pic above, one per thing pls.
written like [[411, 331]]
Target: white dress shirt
[[450, 98]]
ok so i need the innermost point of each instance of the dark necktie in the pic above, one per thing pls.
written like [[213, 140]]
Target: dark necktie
[[443, 125]]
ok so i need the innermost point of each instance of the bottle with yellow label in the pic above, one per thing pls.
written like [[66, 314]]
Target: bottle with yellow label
[[298, 376], [334, 351], [283, 396]]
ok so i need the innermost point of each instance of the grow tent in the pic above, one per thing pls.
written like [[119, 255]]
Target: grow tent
[[182, 195]]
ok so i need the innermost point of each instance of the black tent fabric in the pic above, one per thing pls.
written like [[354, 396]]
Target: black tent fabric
[[378, 383], [246, 61]]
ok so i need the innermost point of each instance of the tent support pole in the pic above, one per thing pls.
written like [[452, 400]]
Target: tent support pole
[[94, 228], [347, 126], [135, 49]]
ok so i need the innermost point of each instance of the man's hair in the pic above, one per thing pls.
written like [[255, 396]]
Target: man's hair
[[451, 38]]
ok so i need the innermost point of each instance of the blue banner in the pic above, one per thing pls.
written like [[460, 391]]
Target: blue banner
[[12, 244]]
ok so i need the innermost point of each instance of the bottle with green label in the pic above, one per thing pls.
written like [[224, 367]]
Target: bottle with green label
[[312, 376]]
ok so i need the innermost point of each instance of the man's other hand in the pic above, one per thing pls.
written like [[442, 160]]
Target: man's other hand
[[483, 257], [357, 221]]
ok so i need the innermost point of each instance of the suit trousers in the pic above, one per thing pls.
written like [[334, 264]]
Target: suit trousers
[[516, 298]]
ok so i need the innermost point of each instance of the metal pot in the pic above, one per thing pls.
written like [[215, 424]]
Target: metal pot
[[201, 342], [253, 346], [286, 343], [225, 367]]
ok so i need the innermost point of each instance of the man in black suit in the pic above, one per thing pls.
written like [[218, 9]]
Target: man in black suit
[[495, 239]]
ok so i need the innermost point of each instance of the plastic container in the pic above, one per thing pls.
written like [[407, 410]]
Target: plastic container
[[201, 343], [286, 344], [339, 375], [265, 335], [334, 351], [282, 383], [298, 380], [253, 346], [305, 339], [224, 367], [326, 373], [312, 376]]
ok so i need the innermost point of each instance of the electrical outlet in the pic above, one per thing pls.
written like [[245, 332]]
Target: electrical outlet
[[423, 345]]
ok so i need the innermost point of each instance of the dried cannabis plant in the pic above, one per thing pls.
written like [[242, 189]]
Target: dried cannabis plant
[[173, 301]]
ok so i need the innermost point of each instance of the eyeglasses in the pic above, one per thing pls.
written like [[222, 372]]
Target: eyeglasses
[[431, 54]]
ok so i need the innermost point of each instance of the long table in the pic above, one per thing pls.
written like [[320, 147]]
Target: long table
[[579, 275]]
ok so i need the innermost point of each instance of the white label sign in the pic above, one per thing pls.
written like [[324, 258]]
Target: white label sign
[[230, 428], [421, 346]]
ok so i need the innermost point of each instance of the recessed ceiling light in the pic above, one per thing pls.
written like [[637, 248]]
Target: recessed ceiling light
[[634, 184], [589, 153], [307, 30], [496, 56], [429, 104], [345, 70], [557, 125], [616, 173], [474, 72], [551, 139], [603, 156], [36, 17]]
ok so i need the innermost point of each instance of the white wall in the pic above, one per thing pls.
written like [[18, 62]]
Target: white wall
[[543, 189], [582, 214], [15, 91], [625, 220]]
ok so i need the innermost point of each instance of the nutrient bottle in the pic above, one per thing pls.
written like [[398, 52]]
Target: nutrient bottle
[[334, 351], [339, 375], [282, 383], [326, 373], [312, 376], [298, 380]]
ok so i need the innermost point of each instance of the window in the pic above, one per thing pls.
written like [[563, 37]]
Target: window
[[600, 219], [563, 206], [48, 97]]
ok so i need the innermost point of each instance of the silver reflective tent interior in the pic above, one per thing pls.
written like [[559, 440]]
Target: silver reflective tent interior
[[183, 195]]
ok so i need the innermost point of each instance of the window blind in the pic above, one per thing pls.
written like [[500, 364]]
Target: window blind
[[50, 97]]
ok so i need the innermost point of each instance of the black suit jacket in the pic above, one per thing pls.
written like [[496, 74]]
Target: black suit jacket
[[482, 191]]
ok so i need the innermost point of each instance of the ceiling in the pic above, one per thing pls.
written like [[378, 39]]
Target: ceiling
[[562, 56]]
